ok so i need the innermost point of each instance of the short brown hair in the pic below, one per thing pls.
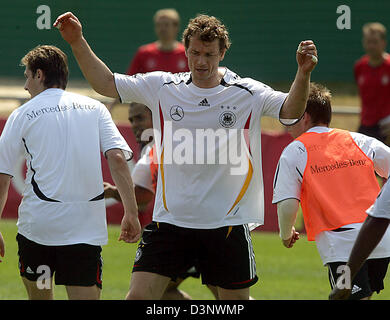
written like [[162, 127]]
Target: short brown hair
[[53, 63], [375, 27], [169, 13], [208, 28], [319, 104]]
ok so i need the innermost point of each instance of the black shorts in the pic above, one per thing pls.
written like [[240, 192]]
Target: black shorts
[[369, 279], [73, 265], [224, 256]]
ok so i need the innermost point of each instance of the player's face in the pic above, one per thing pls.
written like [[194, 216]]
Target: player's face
[[374, 45], [203, 60], [140, 119], [34, 83], [166, 29]]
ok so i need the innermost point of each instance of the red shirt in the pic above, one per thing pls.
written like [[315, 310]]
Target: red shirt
[[149, 58], [374, 90]]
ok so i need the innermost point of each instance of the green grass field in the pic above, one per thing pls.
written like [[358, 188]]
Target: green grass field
[[288, 274]]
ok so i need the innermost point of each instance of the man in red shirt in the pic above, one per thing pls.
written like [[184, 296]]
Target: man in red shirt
[[372, 75], [165, 54]]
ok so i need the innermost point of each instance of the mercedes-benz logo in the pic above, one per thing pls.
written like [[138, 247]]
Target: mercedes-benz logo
[[177, 113]]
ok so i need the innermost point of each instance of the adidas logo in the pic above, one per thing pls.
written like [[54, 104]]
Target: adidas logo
[[355, 289], [28, 270], [204, 103]]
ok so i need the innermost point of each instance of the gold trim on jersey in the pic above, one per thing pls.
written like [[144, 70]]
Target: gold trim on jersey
[[244, 187]]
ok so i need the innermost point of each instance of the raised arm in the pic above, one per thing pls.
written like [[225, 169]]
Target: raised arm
[[295, 104], [130, 227], [5, 180], [94, 70]]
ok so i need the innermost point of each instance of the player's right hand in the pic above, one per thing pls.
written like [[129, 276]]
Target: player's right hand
[[69, 27], [289, 243]]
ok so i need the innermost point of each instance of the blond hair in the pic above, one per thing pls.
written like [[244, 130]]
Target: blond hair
[[169, 13], [374, 27]]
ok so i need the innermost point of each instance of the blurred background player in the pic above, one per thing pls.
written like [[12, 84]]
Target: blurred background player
[[166, 53], [372, 76], [331, 172], [145, 182], [62, 224]]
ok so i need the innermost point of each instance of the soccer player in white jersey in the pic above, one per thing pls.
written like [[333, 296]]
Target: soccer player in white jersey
[[331, 173], [62, 217], [204, 199]]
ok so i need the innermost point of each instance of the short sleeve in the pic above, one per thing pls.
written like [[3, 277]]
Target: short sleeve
[[376, 150], [380, 208], [140, 87], [110, 137], [273, 102], [289, 173], [11, 145], [141, 174]]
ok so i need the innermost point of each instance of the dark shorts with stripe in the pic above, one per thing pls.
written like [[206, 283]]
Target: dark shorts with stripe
[[71, 265], [223, 256], [369, 279]]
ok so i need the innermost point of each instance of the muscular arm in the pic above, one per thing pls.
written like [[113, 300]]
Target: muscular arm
[[295, 104], [131, 229], [368, 238], [5, 180], [94, 70]]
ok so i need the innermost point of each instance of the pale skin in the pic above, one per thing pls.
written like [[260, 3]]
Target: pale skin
[[375, 47], [203, 60]]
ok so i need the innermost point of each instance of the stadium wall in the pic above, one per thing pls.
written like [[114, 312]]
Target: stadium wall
[[265, 34]]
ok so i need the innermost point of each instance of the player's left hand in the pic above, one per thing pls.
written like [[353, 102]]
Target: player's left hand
[[307, 57]]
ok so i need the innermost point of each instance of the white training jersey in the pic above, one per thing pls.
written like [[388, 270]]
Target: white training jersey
[[61, 135], [381, 206], [208, 146], [141, 173], [332, 246]]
